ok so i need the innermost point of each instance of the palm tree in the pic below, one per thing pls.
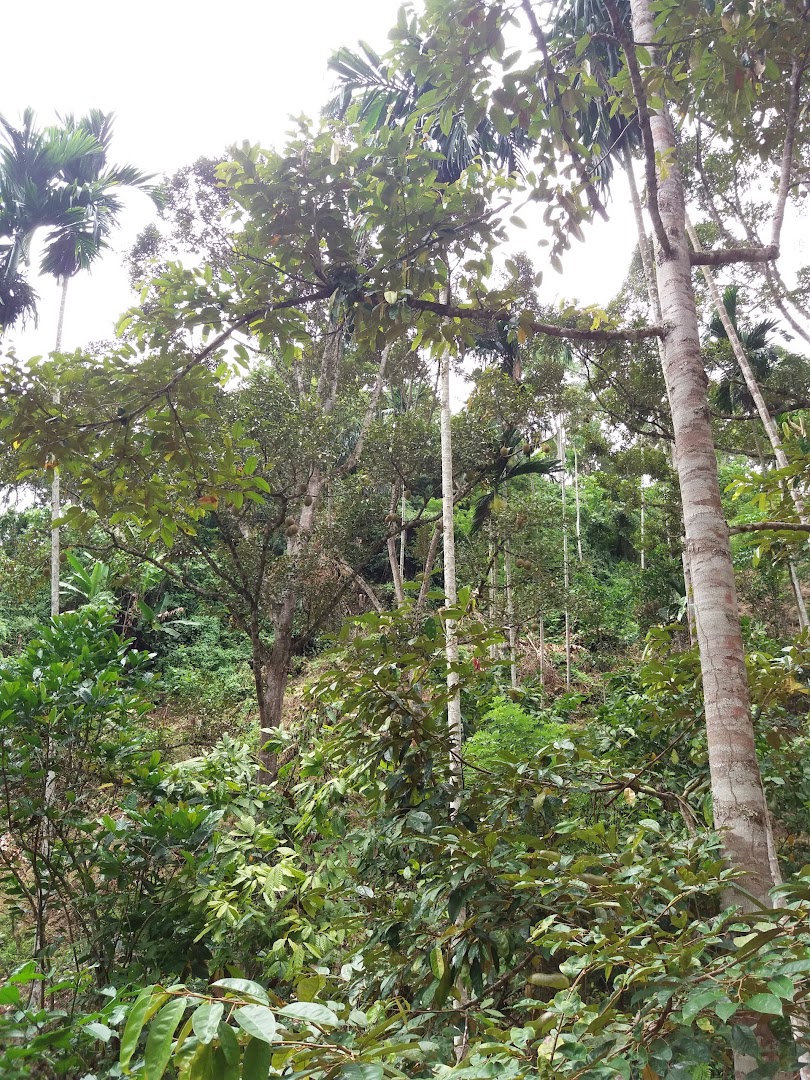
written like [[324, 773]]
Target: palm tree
[[88, 188], [33, 195], [380, 97], [732, 393], [57, 179]]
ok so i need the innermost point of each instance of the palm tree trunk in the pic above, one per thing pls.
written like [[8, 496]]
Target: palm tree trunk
[[566, 571], [764, 412], [404, 506], [740, 810], [510, 616], [454, 725], [655, 308], [643, 502], [576, 502], [55, 485]]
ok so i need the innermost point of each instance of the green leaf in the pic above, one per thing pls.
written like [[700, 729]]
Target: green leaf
[[437, 962], [250, 466], [361, 1072], [765, 1003], [134, 1025], [246, 987], [258, 1021], [99, 1031], [161, 1034], [782, 987], [695, 1002], [228, 1043], [9, 995], [310, 1010], [205, 1020], [726, 1009], [256, 1060]]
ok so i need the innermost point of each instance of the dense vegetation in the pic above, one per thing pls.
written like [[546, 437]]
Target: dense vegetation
[[344, 734]]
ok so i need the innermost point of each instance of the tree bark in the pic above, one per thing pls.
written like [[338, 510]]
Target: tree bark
[[561, 450], [739, 801], [55, 483], [510, 617], [768, 422], [454, 724]]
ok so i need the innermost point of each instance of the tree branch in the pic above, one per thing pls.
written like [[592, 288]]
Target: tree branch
[[769, 526], [786, 169], [640, 95], [479, 314], [734, 255]]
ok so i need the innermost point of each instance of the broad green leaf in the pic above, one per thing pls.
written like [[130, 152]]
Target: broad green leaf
[[310, 1010], [134, 1026], [258, 1021], [726, 1009], [160, 1038], [246, 988], [765, 1003], [695, 1002], [357, 1071], [256, 1060], [99, 1031], [437, 962], [205, 1020], [228, 1043], [782, 986]]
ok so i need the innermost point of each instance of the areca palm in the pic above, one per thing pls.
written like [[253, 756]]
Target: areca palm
[[732, 394], [58, 179], [33, 195], [91, 187], [380, 97]]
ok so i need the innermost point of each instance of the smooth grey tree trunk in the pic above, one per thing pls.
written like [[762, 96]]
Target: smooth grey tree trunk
[[55, 480], [510, 617], [771, 430], [561, 449], [454, 724], [739, 801]]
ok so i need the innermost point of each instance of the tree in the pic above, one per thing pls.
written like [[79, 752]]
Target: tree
[[93, 187]]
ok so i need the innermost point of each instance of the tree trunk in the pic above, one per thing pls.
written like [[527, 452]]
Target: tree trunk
[[429, 561], [276, 668], [758, 397], [451, 595], [275, 672], [55, 492], [510, 617], [576, 503], [566, 573], [739, 801]]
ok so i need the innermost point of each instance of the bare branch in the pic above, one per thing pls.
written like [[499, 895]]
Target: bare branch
[[769, 526], [620, 30], [786, 169], [734, 255]]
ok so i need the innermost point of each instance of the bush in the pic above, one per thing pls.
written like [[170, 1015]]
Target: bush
[[506, 730]]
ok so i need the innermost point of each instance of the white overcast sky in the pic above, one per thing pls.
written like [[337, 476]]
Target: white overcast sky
[[188, 79]]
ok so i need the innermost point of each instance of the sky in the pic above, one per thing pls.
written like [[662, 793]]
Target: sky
[[188, 79]]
